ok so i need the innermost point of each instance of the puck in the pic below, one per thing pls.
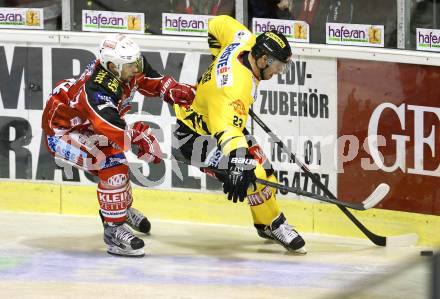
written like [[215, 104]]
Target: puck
[[426, 253]]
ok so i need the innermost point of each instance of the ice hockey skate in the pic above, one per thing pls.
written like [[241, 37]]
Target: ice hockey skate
[[121, 241], [283, 233], [137, 221], [287, 236]]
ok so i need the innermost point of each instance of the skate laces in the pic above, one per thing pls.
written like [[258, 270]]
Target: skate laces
[[134, 216], [124, 234], [285, 232]]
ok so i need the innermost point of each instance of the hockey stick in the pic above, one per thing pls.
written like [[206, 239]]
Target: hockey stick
[[402, 240], [378, 194]]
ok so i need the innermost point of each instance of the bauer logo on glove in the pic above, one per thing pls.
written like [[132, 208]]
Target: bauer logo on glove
[[244, 161], [240, 175]]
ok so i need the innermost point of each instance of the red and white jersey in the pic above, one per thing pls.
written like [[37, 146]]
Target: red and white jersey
[[96, 101]]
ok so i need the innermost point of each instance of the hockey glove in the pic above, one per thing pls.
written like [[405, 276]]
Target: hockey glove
[[149, 149], [240, 176], [174, 92]]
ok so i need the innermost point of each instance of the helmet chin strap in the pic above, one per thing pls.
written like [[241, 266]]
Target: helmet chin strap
[[118, 72], [262, 71]]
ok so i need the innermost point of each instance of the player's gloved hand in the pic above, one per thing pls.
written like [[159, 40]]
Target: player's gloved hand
[[174, 92], [149, 149], [240, 175]]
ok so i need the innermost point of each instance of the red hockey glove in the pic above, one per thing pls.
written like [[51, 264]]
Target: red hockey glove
[[174, 92], [149, 149]]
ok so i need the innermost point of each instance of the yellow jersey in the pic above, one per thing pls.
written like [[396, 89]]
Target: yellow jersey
[[226, 90]]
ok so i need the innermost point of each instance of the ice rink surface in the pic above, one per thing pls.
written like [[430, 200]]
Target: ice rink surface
[[59, 256]]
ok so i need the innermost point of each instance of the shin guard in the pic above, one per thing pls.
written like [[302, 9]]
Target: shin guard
[[262, 201], [114, 202]]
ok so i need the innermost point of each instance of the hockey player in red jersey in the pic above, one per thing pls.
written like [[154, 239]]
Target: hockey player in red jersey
[[84, 125]]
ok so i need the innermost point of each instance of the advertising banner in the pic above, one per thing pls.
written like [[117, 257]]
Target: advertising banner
[[390, 115], [21, 18], [354, 35], [295, 31], [113, 21], [185, 24], [428, 39]]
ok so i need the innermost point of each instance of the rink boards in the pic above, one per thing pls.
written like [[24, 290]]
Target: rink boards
[[307, 216]]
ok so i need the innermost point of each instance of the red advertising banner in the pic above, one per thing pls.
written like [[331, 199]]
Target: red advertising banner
[[397, 106]]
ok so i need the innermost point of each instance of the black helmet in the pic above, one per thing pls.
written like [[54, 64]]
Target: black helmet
[[272, 43]]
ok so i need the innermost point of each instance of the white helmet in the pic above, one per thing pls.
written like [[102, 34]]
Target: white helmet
[[119, 49]]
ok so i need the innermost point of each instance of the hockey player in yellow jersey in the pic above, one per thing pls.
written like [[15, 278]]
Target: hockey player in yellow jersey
[[220, 109]]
